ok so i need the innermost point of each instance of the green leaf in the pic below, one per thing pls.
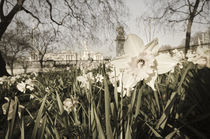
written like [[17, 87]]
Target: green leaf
[[138, 104], [154, 131], [157, 100], [170, 135], [14, 118], [100, 130], [128, 131], [107, 110], [38, 118], [60, 104], [115, 92], [42, 128], [163, 119], [22, 128]]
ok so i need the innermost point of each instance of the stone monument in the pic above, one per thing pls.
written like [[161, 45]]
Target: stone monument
[[120, 40]]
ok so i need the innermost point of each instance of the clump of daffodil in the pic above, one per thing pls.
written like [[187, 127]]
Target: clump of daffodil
[[70, 104], [85, 79], [141, 62], [200, 57]]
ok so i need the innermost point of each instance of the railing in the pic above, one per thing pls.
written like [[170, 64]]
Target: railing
[[183, 47], [53, 63]]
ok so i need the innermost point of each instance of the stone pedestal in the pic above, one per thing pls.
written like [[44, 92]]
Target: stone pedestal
[[120, 40]]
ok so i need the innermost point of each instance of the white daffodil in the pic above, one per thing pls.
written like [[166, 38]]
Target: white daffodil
[[3, 79], [204, 52], [29, 84], [142, 62], [127, 81], [21, 87], [70, 104], [199, 57], [178, 54], [99, 78], [32, 96], [85, 80], [112, 75]]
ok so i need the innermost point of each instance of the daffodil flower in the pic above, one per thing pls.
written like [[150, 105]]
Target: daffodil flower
[[85, 80], [3, 79], [70, 104], [141, 62], [99, 78], [21, 87], [204, 53]]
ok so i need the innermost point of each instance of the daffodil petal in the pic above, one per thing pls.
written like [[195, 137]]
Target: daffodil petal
[[133, 45], [120, 62], [151, 81], [152, 46], [129, 81], [165, 63]]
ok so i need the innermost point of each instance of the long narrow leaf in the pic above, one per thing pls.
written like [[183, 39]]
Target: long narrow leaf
[[100, 130], [42, 129], [22, 128], [14, 118], [163, 119], [107, 110], [60, 105], [38, 118], [138, 103]]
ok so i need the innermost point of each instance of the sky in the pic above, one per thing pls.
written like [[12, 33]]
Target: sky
[[173, 38], [136, 9]]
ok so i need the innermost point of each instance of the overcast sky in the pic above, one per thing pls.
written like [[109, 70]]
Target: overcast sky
[[174, 38]]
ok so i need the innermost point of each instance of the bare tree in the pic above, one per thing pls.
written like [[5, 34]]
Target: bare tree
[[186, 12], [80, 15], [22, 60], [14, 44], [41, 43]]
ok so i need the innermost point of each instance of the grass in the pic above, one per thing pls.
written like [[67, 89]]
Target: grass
[[179, 107]]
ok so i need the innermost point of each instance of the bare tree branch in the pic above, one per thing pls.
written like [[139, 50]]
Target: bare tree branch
[[72, 11], [199, 22], [177, 21], [30, 13], [176, 10], [1, 9], [51, 17], [189, 6], [164, 13], [201, 10]]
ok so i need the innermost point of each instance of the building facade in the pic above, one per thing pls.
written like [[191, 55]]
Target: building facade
[[69, 55]]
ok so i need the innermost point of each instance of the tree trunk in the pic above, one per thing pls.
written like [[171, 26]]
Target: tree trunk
[[5, 21], [188, 35], [3, 70], [189, 26], [41, 63]]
